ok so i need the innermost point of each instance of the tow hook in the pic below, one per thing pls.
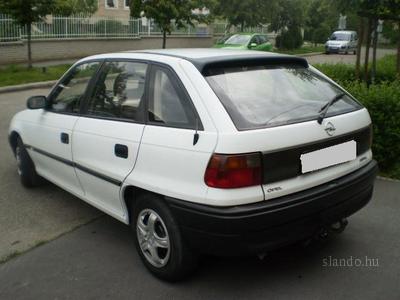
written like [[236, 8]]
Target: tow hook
[[339, 226]]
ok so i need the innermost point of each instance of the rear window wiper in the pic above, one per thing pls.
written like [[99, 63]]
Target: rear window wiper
[[324, 109]]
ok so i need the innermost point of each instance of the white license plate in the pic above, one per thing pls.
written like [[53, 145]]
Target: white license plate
[[329, 156]]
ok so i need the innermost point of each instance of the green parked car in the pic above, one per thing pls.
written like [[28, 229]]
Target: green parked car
[[252, 41]]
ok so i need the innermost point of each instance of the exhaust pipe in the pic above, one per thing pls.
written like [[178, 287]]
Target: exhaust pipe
[[323, 233], [339, 226]]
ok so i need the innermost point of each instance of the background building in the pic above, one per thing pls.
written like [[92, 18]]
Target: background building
[[113, 8]]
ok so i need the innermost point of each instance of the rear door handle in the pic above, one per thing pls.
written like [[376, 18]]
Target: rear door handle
[[64, 138], [121, 150]]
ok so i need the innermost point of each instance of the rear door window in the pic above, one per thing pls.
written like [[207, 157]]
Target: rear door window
[[267, 96]]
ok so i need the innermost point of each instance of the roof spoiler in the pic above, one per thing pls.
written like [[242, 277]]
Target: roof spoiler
[[231, 62]]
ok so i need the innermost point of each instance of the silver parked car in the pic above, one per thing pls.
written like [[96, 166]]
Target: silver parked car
[[342, 42]]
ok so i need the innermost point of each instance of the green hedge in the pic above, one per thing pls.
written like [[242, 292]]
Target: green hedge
[[382, 100], [341, 73], [385, 70], [383, 103], [290, 39]]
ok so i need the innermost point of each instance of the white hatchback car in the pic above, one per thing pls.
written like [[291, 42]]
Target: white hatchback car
[[201, 150]]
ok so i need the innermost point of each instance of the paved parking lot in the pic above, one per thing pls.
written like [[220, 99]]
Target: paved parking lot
[[98, 260], [30, 217], [347, 59]]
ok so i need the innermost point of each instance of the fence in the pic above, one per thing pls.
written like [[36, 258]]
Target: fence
[[55, 27]]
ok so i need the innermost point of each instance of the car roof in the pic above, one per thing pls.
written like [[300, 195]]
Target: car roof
[[248, 33], [344, 31], [205, 58]]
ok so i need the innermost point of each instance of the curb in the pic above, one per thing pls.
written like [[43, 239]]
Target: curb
[[310, 54], [388, 179], [28, 86]]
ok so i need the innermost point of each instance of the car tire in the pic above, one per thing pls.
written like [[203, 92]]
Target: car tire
[[26, 168], [159, 242]]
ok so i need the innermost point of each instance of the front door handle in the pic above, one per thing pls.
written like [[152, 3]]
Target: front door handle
[[121, 150], [64, 138]]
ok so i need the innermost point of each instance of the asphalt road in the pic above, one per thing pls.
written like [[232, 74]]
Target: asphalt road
[[30, 217], [346, 58], [98, 261]]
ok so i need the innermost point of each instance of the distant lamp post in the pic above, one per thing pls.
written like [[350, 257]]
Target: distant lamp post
[[342, 22]]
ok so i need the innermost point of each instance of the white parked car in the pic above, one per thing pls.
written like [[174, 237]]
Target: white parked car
[[344, 41], [201, 150]]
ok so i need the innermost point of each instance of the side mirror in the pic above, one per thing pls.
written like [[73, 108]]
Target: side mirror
[[36, 102], [253, 45]]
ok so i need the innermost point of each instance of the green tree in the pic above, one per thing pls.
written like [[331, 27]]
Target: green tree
[[369, 12], [316, 23], [75, 7], [390, 11], [163, 12], [25, 12], [287, 18], [243, 13]]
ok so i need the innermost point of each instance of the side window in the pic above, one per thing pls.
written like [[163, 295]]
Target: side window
[[255, 39], [168, 105], [68, 94], [119, 91], [263, 39]]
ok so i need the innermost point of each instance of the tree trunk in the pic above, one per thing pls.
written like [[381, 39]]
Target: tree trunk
[[29, 26], [242, 26], [361, 32], [164, 39], [367, 46], [374, 46], [398, 50]]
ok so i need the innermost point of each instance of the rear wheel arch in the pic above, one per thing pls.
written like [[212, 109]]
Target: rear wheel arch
[[130, 196]]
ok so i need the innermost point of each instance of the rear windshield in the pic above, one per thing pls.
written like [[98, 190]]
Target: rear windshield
[[268, 96]]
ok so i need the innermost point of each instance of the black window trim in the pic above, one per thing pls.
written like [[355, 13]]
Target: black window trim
[[85, 94]]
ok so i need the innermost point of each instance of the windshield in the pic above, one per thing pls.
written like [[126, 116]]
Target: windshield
[[267, 96], [238, 39], [337, 36]]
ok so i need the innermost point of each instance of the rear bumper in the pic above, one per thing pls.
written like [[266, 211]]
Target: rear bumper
[[271, 224]]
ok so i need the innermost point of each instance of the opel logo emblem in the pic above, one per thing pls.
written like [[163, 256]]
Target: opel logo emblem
[[330, 129]]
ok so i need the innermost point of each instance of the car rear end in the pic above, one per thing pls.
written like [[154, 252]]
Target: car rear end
[[279, 176]]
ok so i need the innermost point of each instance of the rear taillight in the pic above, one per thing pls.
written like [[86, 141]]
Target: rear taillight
[[234, 171]]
